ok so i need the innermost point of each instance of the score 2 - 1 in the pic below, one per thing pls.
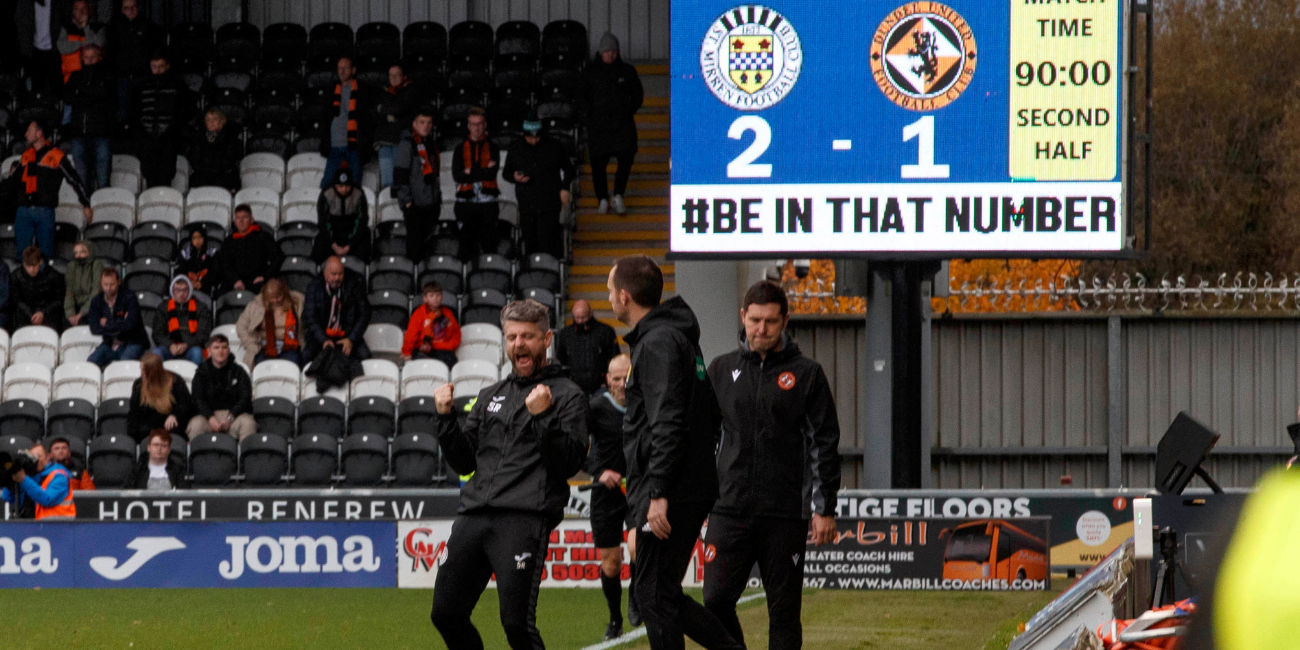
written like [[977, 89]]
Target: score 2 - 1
[[743, 166]]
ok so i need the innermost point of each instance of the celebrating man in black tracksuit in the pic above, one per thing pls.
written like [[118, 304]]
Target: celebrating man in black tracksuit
[[670, 433], [778, 464], [524, 437], [607, 466]]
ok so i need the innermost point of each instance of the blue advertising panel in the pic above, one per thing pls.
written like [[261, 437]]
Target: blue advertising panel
[[879, 126], [37, 555]]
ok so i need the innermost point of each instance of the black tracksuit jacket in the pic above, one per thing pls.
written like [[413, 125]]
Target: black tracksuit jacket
[[520, 462], [672, 422], [779, 455]]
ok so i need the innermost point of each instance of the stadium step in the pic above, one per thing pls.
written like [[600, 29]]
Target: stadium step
[[629, 200], [638, 166]]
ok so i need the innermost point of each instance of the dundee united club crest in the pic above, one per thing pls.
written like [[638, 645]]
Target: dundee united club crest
[[751, 57], [923, 56]]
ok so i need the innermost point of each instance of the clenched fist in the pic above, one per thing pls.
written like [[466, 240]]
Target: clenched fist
[[442, 399], [539, 400]]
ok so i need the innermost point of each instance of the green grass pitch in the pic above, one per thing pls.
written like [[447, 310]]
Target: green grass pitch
[[253, 619]]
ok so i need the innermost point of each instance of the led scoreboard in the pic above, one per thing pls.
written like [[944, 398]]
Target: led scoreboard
[[888, 127]]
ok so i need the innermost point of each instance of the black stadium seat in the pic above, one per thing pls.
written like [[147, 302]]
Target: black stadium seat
[[13, 443], [112, 461], [470, 45], [483, 306], [365, 459], [447, 271], [490, 272], [278, 87], [148, 274], [275, 415], [539, 271], [110, 240], [213, 459], [23, 417], [390, 239], [231, 304], [383, 40], [284, 40], [322, 415], [565, 37], [239, 40], [191, 42], [415, 459], [426, 38], [71, 419], [416, 415], [113, 417], [546, 298], [331, 39], [444, 241], [149, 302], [372, 414], [390, 307], [519, 37], [180, 448], [315, 458], [264, 458], [66, 237], [298, 272], [154, 239], [297, 238], [392, 273]]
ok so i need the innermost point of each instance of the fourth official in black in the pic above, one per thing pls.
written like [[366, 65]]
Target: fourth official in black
[[778, 466]]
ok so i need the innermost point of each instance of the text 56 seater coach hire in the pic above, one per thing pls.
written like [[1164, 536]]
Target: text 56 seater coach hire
[[778, 465], [524, 437]]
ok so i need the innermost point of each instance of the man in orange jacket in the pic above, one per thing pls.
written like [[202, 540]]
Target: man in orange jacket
[[50, 489], [433, 332]]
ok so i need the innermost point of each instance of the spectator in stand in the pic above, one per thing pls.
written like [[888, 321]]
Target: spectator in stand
[[344, 220], [182, 324], [250, 256], [269, 326], [542, 171], [474, 168], [223, 395], [50, 491], [157, 471], [82, 281], [37, 292], [215, 153], [159, 400], [131, 38], [78, 31], [613, 96], [161, 105], [586, 348], [78, 474], [90, 92], [43, 169], [393, 111], [415, 183], [336, 311], [342, 140], [115, 315], [433, 332], [198, 261], [37, 24]]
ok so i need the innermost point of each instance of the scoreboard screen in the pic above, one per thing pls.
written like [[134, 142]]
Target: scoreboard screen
[[884, 127]]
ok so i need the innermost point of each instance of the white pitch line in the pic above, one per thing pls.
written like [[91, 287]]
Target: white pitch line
[[640, 631]]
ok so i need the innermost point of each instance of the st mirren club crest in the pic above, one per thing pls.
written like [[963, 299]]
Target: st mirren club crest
[[923, 56], [751, 57]]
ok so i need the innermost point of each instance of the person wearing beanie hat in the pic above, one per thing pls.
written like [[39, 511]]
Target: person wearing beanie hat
[[613, 96], [182, 324], [36, 179], [542, 171], [344, 219]]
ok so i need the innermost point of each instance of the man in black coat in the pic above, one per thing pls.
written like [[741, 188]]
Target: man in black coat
[[336, 311], [542, 171], [613, 96], [36, 292], [523, 438], [214, 154], [91, 91], [778, 466], [161, 105], [586, 347], [131, 39], [670, 432], [395, 107], [250, 256], [344, 219], [223, 395]]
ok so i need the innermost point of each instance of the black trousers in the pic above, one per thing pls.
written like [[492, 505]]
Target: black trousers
[[478, 228], [777, 545], [539, 227], [420, 221], [598, 163], [513, 546], [660, 566], [157, 160]]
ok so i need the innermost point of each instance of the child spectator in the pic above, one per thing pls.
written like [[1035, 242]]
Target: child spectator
[[433, 332], [198, 261]]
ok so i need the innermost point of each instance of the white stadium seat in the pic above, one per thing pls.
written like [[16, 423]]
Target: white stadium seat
[[481, 341], [181, 181], [77, 380], [444, 162], [77, 343], [309, 389], [299, 204], [126, 173], [27, 381], [163, 204], [372, 204], [9, 163], [306, 170], [506, 369], [277, 378], [420, 377], [262, 170], [385, 341], [118, 378], [184, 368], [470, 377], [381, 379], [69, 209], [35, 344], [114, 204], [389, 210], [4, 348], [265, 204], [208, 204], [370, 177]]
